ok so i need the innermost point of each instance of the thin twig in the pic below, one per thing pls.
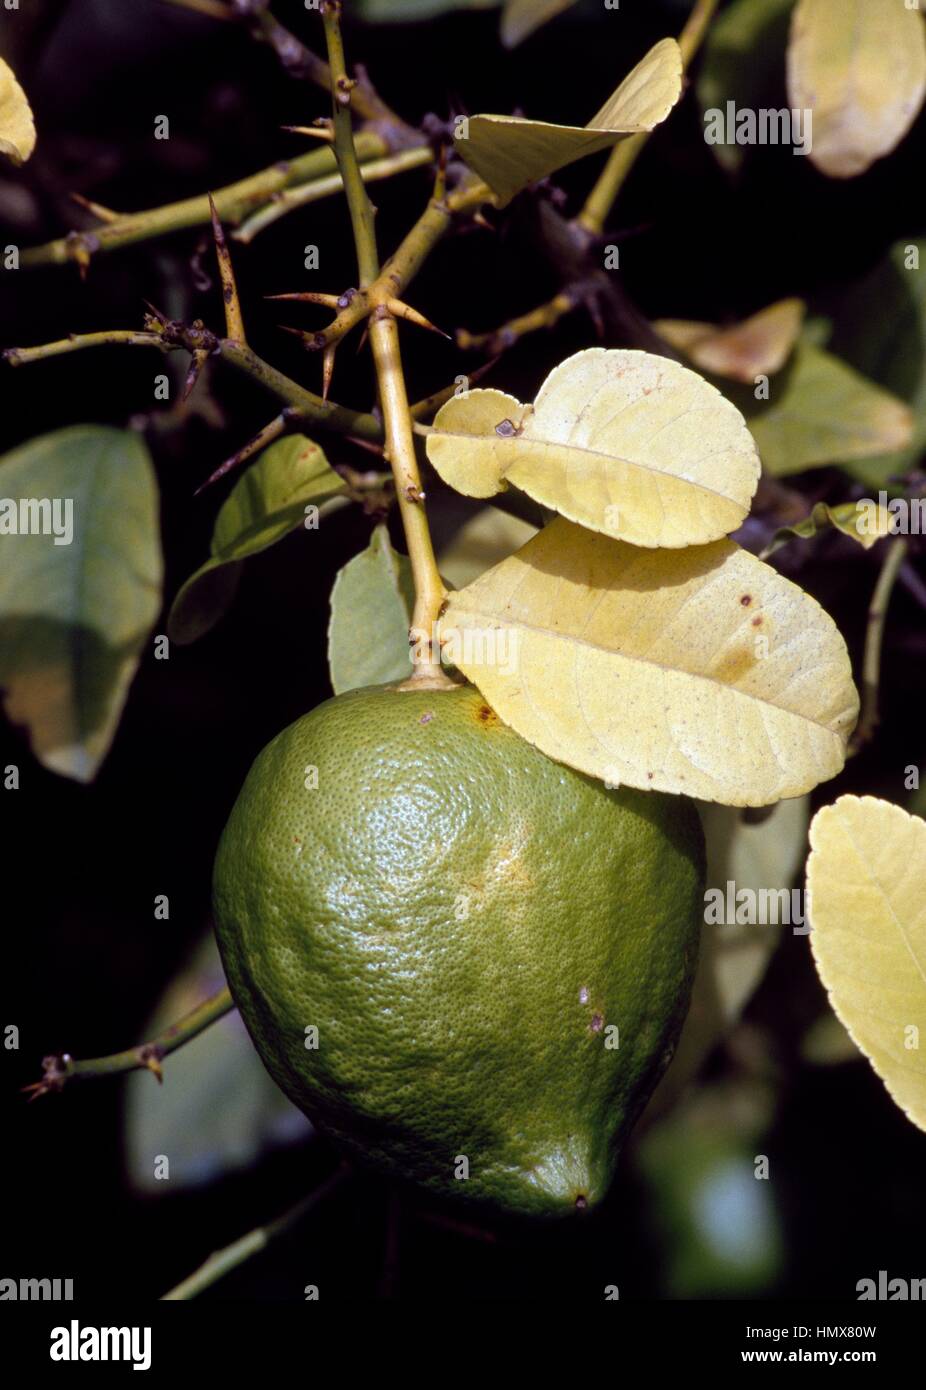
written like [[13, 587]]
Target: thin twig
[[599, 202], [261, 440], [234, 202], [384, 340], [544, 316], [874, 639], [326, 414], [222, 1262], [429, 405], [371, 172], [62, 1068]]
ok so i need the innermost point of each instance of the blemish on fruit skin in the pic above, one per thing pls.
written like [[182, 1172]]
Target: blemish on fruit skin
[[597, 1022], [581, 1202], [426, 717], [746, 600], [757, 620], [486, 716]]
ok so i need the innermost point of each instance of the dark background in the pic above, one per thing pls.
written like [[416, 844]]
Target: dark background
[[83, 961]]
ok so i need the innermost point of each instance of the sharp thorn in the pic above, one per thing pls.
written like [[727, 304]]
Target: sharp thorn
[[103, 213], [327, 369], [405, 311], [317, 132], [297, 333], [200, 358], [329, 301], [234, 323]]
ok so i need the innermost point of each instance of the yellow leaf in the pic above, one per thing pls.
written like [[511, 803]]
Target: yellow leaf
[[509, 152], [860, 67], [866, 882], [758, 346], [17, 128], [522, 17], [699, 671], [626, 443]]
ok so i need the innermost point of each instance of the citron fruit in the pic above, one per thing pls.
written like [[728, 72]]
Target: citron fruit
[[467, 963]]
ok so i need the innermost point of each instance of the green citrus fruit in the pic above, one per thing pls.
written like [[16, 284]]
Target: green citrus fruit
[[467, 963]]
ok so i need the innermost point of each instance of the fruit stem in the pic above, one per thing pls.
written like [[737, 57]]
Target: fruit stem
[[384, 341]]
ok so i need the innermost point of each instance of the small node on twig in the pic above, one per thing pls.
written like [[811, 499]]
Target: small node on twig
[[414, 494], [342, 90], [151, 1056], [55, 1072], [81, 246]]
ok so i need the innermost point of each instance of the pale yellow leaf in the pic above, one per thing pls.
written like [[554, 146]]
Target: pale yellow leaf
[[758, 346], [866, 881], [860, 67], [626, 443], [17, 128], [701, 671], [509, 152]]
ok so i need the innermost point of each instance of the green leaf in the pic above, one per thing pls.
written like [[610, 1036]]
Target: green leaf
[[734, 957], [268, 502], [485, 540], [522, 17], [76, 607], [407, 11], [218, 1111], [864, 522], [371, 608], [821, 411], [509, 152], [743, 62], [827, 1044], [880, 328]]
